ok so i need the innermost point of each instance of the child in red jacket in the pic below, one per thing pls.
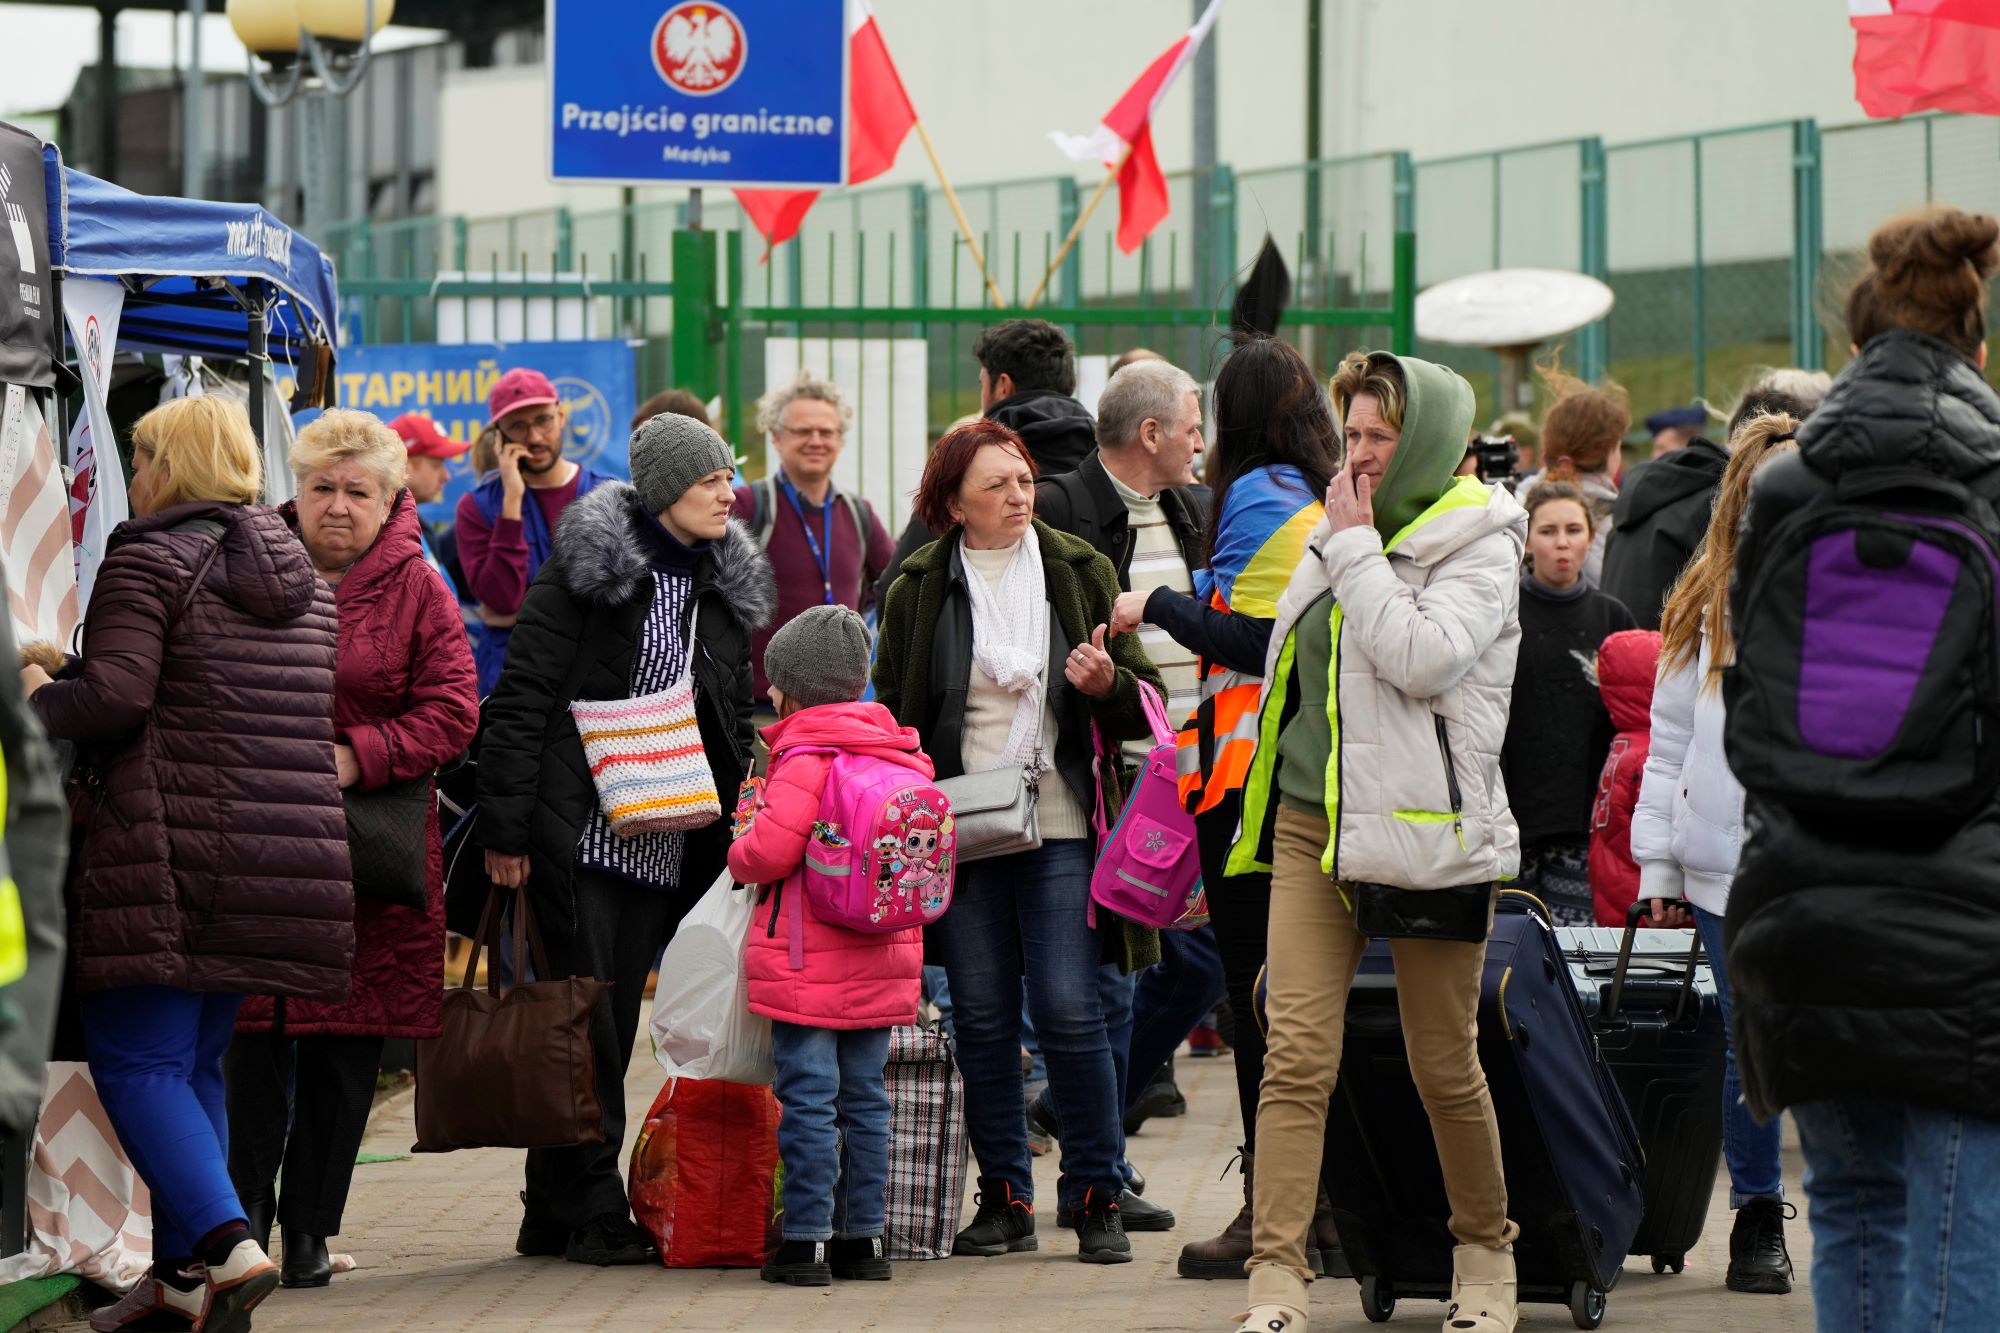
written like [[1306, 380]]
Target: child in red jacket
[[830, 1012], [1627, 663]]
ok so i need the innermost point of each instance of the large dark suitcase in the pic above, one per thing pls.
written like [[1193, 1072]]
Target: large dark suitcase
[[1568, 1145], [1652, 1002]]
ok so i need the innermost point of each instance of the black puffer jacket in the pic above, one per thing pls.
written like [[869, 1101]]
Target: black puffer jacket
[[1660, 518], [578, 631], [1864, 967]]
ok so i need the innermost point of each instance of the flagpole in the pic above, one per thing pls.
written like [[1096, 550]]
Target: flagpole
[[1076, 230], [958, 211]]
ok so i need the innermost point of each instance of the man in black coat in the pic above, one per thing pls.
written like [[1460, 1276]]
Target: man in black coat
[[1027, 382]]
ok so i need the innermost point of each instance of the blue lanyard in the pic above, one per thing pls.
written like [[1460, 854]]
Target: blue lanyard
[[822, 546]]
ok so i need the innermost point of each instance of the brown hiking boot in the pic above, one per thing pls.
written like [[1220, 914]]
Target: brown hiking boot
[[1325, 1239], [1224, 1256]]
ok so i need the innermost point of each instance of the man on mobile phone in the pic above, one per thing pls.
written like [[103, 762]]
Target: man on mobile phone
[[507, 524]]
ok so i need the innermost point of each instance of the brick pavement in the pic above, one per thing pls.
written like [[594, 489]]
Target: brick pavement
[[434, 1236]]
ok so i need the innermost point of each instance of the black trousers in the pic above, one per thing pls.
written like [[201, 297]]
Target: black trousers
[[300, 1104], [1239, 910], [620, 929]]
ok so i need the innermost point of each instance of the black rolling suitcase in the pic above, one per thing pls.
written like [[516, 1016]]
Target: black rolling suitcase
[[1568, 1145], [1653, 1005]]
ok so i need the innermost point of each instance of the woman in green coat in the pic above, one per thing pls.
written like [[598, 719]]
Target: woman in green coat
[[995, 648]]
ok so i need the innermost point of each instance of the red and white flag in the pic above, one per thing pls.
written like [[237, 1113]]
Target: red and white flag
[[34, 523], [1926, 55], [879, 117], [1125, 135]]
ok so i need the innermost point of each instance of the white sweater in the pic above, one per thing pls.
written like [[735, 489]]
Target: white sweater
[[1688, 828]]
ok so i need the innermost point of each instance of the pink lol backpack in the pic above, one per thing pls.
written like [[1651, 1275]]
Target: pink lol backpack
[[882, 852], [1148, 870]]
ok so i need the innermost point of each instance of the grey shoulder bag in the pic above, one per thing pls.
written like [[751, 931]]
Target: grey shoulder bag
[[993, 813]]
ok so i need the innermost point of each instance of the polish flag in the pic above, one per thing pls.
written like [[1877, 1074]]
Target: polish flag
[[1926, 55], [1125, 136], [879, 118]]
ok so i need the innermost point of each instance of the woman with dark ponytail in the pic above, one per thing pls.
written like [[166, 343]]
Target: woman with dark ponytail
[[1862, 951]]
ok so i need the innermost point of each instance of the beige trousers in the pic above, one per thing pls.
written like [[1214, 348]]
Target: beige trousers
[[1314, 953]]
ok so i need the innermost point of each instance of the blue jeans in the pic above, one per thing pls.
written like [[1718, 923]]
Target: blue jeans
[[1905, 1217], [1019, 914], [156, 1055], [1753, 1151], [834, 1134], [1171, 999]]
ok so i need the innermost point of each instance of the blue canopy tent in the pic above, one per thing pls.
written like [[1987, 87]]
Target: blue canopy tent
[[201, 278]]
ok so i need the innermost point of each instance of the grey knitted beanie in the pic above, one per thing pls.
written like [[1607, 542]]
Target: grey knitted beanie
[[820, 656], [670, 453]]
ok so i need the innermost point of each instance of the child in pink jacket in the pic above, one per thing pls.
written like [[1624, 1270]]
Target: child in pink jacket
[[830, 1016]]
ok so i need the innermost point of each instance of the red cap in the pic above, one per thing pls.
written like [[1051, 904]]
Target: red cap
[[519, 387], [421, 436]]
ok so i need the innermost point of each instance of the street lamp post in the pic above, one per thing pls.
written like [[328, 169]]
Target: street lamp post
[[331, 40]]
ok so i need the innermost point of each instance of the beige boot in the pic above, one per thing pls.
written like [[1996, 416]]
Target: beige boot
[[1277, 1302], [1482, 1290]]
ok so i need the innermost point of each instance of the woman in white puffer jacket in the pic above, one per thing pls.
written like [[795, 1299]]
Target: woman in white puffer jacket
[[1688, 830]]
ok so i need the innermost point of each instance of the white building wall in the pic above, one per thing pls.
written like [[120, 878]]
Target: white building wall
[[1436, 77]]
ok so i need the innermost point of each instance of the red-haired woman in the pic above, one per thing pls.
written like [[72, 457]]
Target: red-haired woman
[[994, 647]]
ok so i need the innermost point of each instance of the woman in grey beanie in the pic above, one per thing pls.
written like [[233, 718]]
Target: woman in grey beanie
[[646, 583]]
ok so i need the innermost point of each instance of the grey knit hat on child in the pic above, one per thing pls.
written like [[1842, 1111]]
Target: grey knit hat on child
[[820, 656], [670, 453]]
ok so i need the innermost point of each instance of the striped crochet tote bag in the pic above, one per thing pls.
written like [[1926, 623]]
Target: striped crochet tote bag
[[645, 755]]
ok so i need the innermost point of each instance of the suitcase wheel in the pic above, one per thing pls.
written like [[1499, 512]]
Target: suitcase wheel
[[1662, 1262], [1586, 1305], [1378, 1300]]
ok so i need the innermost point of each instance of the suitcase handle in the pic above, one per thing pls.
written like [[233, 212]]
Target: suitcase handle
[[1633, 915]]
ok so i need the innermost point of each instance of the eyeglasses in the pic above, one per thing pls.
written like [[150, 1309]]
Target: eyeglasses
[[526, 428], [828, 433]]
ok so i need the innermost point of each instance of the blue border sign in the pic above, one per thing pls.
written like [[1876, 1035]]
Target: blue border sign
[[697, 92]]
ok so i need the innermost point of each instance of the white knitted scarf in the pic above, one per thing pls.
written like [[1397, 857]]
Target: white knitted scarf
[[1010, 641]]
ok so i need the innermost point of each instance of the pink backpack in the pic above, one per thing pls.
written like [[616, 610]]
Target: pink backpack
[[882, 852], [1148, 869]]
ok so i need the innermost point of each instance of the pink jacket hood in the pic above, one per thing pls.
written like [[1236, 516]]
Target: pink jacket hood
[[857, 728]]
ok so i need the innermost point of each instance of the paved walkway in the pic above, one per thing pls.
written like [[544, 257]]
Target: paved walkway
[[434, 1236]]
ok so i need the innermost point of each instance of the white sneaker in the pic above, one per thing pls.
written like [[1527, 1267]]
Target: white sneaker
[[235, 1288], [152, 1296]]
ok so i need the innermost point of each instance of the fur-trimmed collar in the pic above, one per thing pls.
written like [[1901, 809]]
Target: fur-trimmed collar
[[600, 556]]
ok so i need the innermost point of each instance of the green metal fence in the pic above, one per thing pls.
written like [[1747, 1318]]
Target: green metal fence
[[1725, 251]]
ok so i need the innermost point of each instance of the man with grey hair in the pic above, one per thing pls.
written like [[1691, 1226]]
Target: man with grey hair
[[826, 547]]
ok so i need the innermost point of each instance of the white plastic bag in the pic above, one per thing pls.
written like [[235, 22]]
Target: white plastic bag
[[702, 1024]]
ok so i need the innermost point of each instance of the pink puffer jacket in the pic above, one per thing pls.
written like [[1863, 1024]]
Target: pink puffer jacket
[[848, 979]]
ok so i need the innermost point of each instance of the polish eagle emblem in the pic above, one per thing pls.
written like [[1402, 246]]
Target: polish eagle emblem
[[699, 47]]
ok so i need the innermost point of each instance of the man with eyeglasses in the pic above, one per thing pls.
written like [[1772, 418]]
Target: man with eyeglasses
[[826, 547], [507, 524]]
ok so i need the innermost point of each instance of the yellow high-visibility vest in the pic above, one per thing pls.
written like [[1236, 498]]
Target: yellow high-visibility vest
[[13, 929]]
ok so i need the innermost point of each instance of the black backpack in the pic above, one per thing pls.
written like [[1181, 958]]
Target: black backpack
[[1866, 682]]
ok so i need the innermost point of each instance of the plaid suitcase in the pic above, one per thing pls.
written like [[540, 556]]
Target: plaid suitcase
[[928, 1151]]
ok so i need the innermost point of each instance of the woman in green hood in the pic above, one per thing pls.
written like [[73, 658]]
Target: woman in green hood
[[1383, 712]]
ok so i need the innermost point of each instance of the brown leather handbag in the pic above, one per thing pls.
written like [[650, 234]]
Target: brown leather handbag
[[512, 1069]]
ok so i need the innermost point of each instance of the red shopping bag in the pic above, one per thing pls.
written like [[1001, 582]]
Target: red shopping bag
[[703, 1172]]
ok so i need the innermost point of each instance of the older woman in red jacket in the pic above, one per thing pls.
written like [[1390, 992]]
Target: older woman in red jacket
[[405, 701]]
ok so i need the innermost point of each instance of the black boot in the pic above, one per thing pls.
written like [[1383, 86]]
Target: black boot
[[798, 1263], [306, 1262], [257, 1214], [1003, 1225], [1100, 1230], [858, 1259], [1135, 1212], [1160, 1097], [1758, 1260]]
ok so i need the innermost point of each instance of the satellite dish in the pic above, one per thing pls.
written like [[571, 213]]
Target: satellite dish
[[1512, 311]]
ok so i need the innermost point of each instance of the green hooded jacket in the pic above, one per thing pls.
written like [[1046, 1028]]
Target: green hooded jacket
[[1437, 415]]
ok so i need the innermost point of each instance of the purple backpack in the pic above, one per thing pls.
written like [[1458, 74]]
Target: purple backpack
[[1148, 869], [1866, 682], [882, 852]]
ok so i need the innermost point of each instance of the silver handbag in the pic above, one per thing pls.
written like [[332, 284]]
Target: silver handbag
[[993, 813]]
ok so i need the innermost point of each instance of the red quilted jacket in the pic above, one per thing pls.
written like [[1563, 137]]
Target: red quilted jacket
[[849, 979], [1626, 667], [406, 698]]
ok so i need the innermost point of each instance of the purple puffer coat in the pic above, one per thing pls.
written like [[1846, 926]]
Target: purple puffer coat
[[215, 844]]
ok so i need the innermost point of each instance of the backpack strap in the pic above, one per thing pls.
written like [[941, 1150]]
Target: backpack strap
[[210, 528], [856, 508], [763, 501]]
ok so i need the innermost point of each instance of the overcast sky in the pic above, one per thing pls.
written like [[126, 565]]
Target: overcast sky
[[43, 46]]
